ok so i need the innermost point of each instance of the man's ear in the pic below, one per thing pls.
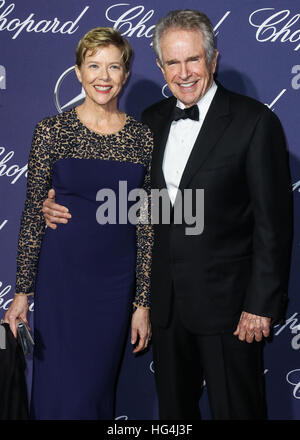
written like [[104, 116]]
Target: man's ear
[[214, 61], [78, 73], [160, 66]]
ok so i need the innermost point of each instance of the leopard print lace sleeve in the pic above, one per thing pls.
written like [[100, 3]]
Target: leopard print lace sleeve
[[145, 238], [32, 221], [64, 136]]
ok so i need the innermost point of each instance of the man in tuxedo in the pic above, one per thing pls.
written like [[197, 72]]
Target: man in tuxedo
[[214, 295]]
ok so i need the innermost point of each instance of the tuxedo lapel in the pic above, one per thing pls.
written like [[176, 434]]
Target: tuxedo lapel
[[217, 119]]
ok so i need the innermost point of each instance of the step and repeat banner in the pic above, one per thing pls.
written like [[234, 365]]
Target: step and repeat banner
[[259, 44]]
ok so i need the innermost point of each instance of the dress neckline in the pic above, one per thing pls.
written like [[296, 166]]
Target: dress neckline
[[89, 130]]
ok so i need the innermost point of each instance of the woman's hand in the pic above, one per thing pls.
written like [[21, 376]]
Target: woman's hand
[[17, 310], [140, 327]]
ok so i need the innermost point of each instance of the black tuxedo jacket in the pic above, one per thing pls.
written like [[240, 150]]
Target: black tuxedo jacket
[[241, 260]]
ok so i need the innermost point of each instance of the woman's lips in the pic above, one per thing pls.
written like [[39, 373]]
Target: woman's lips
[[103, 89]]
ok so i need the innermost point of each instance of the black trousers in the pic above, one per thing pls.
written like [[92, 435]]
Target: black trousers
[[232, 370]]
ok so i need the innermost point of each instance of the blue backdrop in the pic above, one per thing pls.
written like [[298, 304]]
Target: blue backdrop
[[259, 44]]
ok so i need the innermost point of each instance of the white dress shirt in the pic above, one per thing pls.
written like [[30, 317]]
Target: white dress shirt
[[181, 139]]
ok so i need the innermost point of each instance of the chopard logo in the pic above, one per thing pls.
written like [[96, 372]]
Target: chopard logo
[[5, 302], [3, 224], [136, 21], [293, 378], [296, 186], [276, 26], [16, 26], [295, 84], [69, 75], [124, 22], [294, 327], [13, 171]]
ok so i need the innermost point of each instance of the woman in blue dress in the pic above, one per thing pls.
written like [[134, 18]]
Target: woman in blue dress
[[83, 275]]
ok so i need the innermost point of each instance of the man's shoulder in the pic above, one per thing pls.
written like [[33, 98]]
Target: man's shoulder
[[246, 100], [245, 103], [249, 109]]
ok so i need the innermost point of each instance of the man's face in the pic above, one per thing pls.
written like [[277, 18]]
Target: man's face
[[185, 65]]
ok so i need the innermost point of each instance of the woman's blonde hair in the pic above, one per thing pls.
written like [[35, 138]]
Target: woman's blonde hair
[[101, 37]]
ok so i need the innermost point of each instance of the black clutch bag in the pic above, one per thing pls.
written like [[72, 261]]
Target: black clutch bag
[[24, 337]]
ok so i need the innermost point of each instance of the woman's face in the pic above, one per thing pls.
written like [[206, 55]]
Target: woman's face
[[103, 75]]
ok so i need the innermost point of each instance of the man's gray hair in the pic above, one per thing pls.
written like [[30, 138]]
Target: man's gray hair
[[187, 19]]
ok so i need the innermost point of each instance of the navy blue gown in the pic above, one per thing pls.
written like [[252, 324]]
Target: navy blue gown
[[83, 274]]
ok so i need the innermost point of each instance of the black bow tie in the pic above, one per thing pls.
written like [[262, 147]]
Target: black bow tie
[[187, 113]]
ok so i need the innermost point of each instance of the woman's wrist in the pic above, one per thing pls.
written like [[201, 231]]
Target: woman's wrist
[[21, 295], [139, 306]]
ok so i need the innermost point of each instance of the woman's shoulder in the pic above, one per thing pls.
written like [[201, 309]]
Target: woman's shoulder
[[143, 138], [61, 119], [140, 128]]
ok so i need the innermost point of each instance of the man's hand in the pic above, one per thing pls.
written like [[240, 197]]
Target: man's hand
[[252, 327], [140, 327], [54, 213]]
